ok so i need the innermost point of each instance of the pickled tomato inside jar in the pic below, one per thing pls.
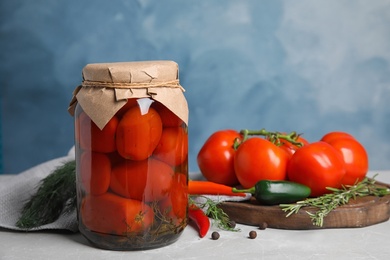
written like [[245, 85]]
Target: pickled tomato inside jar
[[138, 132]]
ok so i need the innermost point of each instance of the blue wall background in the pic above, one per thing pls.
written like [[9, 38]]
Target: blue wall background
[[310, 66]]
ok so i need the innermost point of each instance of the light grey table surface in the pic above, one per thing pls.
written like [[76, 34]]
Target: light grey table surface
[[371, 242]]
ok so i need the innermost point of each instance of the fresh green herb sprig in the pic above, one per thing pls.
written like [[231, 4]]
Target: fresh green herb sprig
[[326, 203], [220, 218], [56, 195]]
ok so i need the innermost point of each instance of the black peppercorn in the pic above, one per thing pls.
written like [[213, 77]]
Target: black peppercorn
[[252, 234], [215, 235], [232, 224], [263, 225]]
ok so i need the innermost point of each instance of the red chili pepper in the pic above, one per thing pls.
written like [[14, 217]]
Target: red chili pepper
[[201, 220], [211, 188]]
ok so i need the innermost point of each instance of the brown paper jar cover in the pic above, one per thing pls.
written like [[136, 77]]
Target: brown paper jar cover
[[107, 86]]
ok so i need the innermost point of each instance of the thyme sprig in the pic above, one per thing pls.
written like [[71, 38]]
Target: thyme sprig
[[326, 203]]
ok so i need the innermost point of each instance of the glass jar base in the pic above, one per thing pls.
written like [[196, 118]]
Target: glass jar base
[[124, 243]]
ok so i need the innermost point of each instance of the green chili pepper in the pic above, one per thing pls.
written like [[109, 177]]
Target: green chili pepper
[[277, 192]]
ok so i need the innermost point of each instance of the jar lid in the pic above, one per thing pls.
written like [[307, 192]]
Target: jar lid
[[106, 87], [130, 73]]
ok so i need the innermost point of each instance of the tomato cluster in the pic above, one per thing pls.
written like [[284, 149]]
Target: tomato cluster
[[138, 159], [233, 158]]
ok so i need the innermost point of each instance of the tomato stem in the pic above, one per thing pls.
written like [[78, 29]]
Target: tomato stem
[[274, 137]]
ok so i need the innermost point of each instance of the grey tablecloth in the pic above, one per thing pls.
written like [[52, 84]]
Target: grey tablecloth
[[16, 190]]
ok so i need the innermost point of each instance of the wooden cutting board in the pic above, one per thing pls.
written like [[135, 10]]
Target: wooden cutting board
[[359, 212]]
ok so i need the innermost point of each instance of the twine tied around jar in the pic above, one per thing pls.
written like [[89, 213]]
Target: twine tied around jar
[[166, 84]]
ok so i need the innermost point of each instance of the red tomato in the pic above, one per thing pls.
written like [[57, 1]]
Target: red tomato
[[138, 133], [131, 102], [169, 119], [173, 146], [291, 148], [335, 135], [317, 165], [175, 205], [95, 172], [148, 180], [215, 158], [92, 138], [258, 159], [355, 159], [113, 214]]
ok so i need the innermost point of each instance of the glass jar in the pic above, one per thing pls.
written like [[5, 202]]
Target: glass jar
[[132, 174]]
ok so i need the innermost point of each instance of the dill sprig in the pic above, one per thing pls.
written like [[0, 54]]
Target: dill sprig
[[56, 195], [326, 203]]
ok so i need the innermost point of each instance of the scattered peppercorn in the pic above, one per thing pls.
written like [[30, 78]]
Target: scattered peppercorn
[[252, 234], [215, 235], [263, 225], [232, 224]]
